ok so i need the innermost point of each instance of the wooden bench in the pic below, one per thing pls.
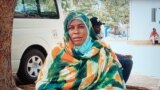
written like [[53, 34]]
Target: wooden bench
[[141, 42]]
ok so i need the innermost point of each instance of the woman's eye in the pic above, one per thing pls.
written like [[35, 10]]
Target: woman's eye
[[70, 28], [81, 27], [78, 27]]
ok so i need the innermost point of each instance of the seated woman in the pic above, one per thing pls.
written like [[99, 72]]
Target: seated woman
[[81, 62]]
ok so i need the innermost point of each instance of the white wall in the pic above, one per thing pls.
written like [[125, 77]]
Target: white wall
[[146, 58], [140, 18]]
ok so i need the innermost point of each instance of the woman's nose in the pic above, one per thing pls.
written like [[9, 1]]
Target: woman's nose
[[76, 30]]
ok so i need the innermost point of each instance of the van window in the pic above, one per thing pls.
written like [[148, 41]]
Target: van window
[[36, 9]]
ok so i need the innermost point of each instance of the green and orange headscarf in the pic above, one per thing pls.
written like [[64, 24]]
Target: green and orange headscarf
[[90, 66]]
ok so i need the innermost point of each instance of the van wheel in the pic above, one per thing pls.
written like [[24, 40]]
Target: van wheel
[[30, 66]]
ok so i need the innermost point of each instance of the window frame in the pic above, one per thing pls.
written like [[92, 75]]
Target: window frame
[[153, 14], [40, 16]]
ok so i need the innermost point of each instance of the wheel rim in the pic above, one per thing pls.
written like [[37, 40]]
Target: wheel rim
[[34, 66]]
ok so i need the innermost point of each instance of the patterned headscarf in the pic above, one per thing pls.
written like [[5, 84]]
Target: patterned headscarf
[[83, 49], [68, 67]]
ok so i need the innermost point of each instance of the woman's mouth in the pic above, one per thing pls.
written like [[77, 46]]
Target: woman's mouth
[[77, 39]]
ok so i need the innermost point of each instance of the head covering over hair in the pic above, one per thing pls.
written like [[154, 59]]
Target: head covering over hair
[[75, 15], [95, 21], [86, 46], [69, 68]]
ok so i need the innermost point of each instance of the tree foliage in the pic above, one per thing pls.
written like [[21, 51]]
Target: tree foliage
[[109, 11]]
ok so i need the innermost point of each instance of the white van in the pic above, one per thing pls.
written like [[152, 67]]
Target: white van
[[37, 26]]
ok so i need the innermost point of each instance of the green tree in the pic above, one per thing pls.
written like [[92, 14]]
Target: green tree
[[109, 11], [117, 10]]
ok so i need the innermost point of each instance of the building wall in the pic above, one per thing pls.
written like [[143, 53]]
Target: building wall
[[146, 58], [141, 18]]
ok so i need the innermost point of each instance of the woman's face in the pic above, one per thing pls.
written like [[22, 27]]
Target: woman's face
[[77, 32]]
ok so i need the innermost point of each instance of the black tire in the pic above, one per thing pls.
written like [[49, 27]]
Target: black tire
[[30, 66]]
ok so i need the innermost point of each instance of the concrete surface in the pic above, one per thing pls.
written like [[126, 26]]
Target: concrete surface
[[149, 82], [135, 82]]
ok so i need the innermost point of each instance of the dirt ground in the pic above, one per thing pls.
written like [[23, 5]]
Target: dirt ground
[[22, 86], [31, 87]]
